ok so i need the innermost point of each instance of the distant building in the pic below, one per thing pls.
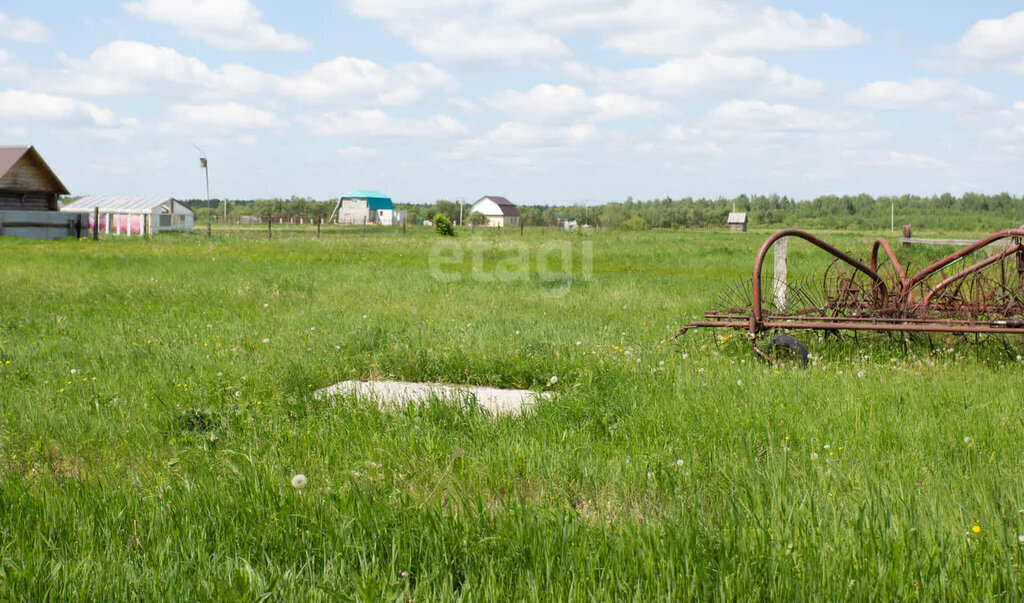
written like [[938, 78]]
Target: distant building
[[499, 211], [26, 182], [127, 215], [370, 207], [737, 221]]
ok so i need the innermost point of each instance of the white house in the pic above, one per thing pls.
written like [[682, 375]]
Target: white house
[[370, 207], [134, 215], [500, 212]]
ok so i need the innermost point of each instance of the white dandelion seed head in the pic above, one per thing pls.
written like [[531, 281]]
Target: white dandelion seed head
[[266, 340], [967, 439], [861, 374], [74, 371], [553, 380], [579, 343], [1020, 539], [814, 456], [679, 463], [661, 363], [739, 382], [299, 481]]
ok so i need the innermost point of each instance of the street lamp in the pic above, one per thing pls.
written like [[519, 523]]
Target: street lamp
[[209, 210]]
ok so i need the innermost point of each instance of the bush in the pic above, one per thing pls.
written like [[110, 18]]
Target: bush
[[443, 225], [635, 223]]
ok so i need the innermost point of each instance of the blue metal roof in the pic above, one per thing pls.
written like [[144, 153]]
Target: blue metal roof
[[374, 200]]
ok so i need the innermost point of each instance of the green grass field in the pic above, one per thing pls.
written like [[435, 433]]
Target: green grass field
[[156, 400]]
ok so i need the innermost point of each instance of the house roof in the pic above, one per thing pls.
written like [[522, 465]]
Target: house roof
[[507, 207], [11, 155], [119, 203], [737, 217], [374, 200]]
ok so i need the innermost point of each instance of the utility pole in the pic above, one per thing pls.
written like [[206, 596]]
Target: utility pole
[[892, 215], [209, 210]]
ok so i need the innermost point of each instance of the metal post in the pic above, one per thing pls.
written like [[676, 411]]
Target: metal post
[[203, 163], [96, 225], [270, 227], [780, 273], [318, 222]]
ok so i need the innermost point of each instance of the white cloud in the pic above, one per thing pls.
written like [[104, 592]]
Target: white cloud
[[757, 117], [23, 30], [359, 152], [11, 67], [136, 68], [517, 143], [511, 31], [346, 77], [376, 123], [221, 116], [229, 24], [547, 103], [898, 158], [126, 67], [945, 95], [22, 104], [988, 45], [459, 32], [685, 27], [704, 74], [993, 38]]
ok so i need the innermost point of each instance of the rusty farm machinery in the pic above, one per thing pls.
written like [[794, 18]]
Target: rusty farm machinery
[[975, 291]]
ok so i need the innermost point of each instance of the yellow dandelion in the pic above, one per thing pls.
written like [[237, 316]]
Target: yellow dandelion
[[976, 528]]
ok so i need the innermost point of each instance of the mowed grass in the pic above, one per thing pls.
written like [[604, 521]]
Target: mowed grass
[[156, 400]]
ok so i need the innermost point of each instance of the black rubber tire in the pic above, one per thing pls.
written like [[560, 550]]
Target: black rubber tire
[[790, 343]]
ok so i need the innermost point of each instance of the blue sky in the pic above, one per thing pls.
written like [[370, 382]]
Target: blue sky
[[542, 101]]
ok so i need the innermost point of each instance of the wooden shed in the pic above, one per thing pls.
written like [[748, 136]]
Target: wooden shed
[[737, 221], [26, 182]]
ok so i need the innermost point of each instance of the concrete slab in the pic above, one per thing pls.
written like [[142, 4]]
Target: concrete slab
[[392, 394]]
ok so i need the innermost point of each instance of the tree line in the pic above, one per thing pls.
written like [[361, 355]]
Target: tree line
[[967, 212]]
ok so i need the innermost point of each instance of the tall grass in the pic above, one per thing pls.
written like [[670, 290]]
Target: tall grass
[[156, 399]]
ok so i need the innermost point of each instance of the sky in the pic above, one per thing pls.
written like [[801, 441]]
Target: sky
[[541, 101]]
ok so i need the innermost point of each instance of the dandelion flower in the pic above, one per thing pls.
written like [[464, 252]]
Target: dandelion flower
[[976, 528], [299, 481]]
